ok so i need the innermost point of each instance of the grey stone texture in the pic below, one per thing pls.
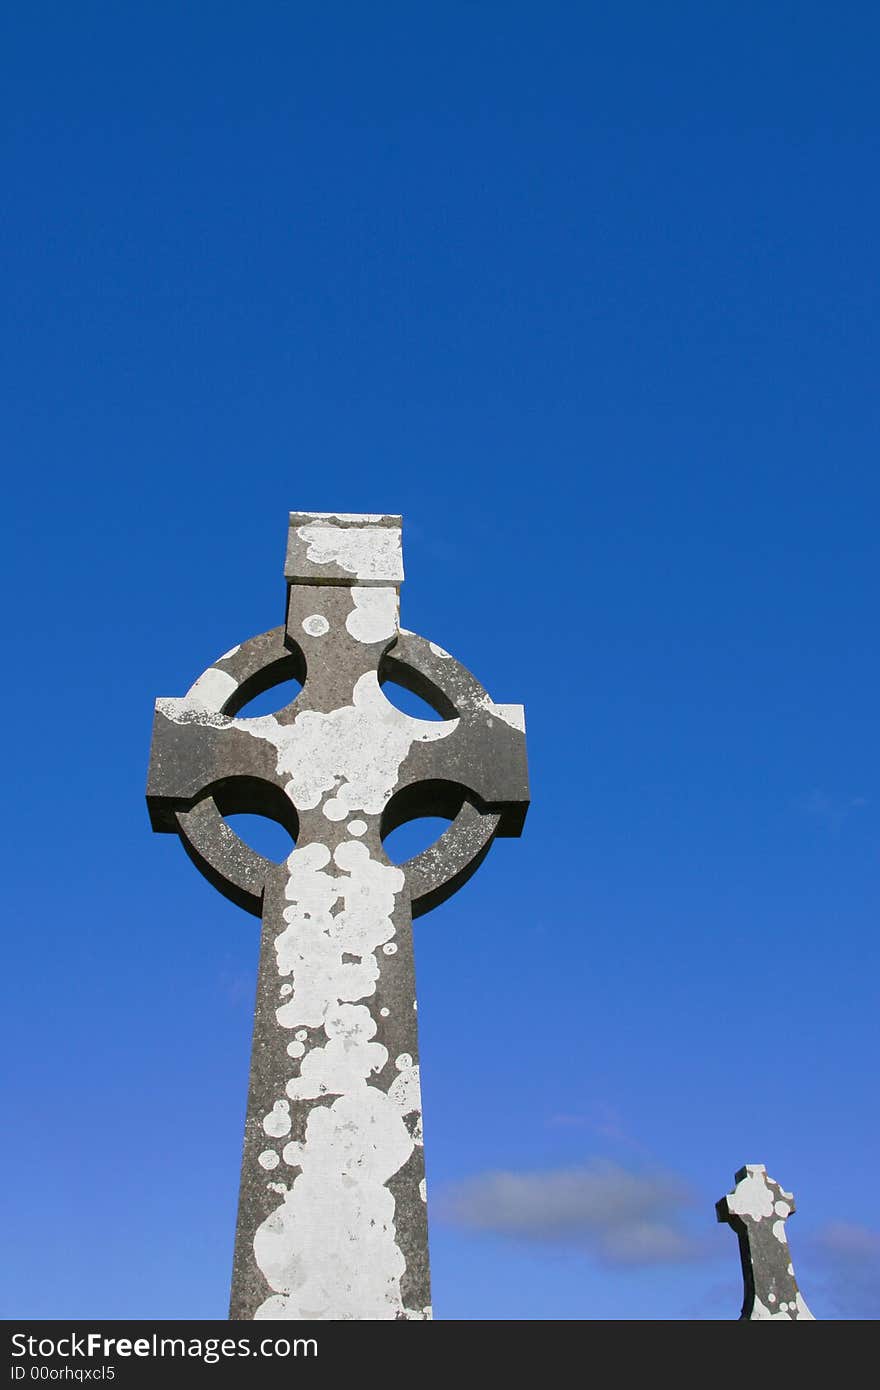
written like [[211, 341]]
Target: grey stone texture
[[332, 1216], [758, 1209]]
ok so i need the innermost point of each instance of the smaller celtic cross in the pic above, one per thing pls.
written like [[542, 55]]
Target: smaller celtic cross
[[332, 1220], [758, 1209]]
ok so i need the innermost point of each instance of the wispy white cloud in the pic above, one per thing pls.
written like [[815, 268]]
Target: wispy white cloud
[[618, 1215], [848, 1254], [828, 810]]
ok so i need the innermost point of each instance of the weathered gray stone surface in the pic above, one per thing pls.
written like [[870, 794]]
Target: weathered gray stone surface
[[758, 1209], [332, 1218]]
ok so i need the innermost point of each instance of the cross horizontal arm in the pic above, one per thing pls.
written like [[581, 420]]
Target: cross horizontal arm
[[199, 748], [197, 753], [484, 756]]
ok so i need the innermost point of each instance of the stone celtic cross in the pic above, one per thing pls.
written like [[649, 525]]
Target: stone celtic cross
[[332, 1220], [757, 1210]]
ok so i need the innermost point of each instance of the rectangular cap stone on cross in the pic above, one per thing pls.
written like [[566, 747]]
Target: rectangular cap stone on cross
[[332, 1219], [344, 548]]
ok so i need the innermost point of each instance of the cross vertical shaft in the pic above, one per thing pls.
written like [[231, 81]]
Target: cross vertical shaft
[[332, 1208]]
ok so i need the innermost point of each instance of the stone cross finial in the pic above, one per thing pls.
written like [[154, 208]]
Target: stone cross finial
[[758, 1209], [332, 1220]]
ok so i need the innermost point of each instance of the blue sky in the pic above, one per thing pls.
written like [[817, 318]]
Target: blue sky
[[589, 295]]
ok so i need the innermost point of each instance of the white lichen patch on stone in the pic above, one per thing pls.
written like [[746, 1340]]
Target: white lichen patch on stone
[[329, 1250], [231, 652], [354, 752], [277, 1123], [514, 715], [369, 553], [194, 711], [751, 1196], [348, 1058], [423, 1190], [761, 1313], [405, 1092], [357, 827], [312, 949], [362, 518], [212, 689], [794, 1311], [374, 617], [268, 1159], [802, 1309], [440, 651], [295, 1049], [316, 625]]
